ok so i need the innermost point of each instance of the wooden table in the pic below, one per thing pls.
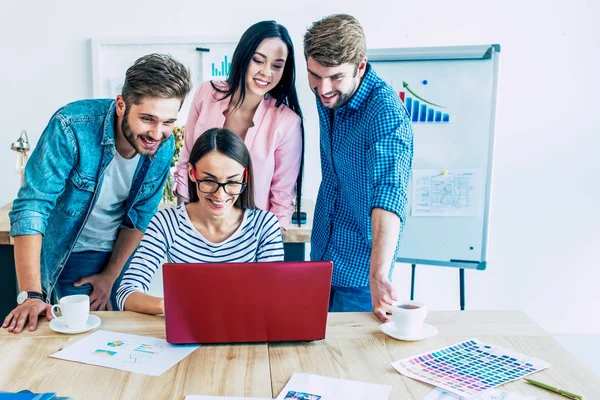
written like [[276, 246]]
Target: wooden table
[[354, 349]]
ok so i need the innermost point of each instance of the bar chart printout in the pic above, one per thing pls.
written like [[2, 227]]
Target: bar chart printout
[[420, 111], [222, 68]]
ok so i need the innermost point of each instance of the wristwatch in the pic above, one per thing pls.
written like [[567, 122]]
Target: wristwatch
[[24, 295]]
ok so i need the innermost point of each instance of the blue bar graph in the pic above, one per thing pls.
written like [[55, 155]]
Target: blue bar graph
[[415, 113], [430, 115], [224, 70], [422, 111]]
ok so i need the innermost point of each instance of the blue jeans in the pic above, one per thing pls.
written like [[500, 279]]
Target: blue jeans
[[82, 264], [350, 299]]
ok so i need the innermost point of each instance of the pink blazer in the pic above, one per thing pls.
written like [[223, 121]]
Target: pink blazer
[[274, 142]]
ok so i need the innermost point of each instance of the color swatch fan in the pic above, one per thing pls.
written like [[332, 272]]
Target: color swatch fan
[[470, 367]]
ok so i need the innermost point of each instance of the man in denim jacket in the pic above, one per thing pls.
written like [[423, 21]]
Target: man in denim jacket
[[92, 185]]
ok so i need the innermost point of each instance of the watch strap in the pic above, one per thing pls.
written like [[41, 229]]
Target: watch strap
[[35, 295]]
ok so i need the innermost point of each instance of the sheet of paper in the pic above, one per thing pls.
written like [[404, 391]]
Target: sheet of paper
[[200, 397], [315, 387], [133, 353], [454, 193], [469, 368], [492, 394]]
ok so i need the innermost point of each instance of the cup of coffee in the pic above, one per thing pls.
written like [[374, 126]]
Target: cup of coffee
[[408, 317], [74, 309]]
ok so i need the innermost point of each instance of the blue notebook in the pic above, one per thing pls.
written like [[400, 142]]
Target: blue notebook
[[27, 395]]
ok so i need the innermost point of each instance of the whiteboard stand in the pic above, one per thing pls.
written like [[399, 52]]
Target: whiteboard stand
[[450, 94], [461, 283]]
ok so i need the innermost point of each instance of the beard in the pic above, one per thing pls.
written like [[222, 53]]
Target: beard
[[131, 137], [343, 97]]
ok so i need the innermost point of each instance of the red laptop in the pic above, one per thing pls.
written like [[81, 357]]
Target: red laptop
[[246, 302]]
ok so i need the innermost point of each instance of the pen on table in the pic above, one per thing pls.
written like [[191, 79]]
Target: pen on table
[[555, 390]]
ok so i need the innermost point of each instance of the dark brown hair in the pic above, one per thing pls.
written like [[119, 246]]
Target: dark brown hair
[[283, 93], [156, 75], [229, 144]]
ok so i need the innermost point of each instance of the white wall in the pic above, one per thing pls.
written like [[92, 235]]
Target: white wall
[[544, 235]]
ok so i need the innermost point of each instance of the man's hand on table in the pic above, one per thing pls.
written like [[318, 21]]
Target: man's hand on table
[[30, 310], [382, 296]]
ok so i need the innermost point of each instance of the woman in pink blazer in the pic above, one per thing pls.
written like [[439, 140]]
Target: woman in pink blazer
[[258, 102]]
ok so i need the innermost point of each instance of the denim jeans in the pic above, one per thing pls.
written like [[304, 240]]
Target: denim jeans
[[82, 264], [350, 299]]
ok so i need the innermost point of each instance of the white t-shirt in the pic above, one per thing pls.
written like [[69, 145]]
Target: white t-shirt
[[100, 230]]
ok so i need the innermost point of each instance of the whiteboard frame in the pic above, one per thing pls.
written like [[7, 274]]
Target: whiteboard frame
[[474, 52], [99, 43]]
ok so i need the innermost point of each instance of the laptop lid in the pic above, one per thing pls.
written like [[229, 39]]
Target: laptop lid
[[246, 302]]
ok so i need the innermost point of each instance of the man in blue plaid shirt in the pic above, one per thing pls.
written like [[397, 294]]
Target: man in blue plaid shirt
[[366, 157]]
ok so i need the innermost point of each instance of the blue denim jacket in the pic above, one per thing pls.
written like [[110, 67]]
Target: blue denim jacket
[[64, 175]]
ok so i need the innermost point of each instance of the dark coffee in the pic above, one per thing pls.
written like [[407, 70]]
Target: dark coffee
[[408, 306]]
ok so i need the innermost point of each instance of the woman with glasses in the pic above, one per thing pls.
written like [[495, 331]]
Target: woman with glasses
[[258, 102], [219, 224]]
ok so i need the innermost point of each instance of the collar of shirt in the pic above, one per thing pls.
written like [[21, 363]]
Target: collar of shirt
[[363, 90]]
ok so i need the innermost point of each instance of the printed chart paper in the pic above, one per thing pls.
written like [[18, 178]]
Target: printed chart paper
[[457, 193], [133, 353], [315, 387], [469, 368], [492, 394]]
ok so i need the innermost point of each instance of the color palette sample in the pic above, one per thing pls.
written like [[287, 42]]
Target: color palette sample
[[470, 367]]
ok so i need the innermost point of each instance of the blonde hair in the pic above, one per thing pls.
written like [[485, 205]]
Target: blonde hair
[[335, 40]]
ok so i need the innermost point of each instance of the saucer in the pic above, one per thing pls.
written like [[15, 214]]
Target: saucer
[[426, 331], [59, 326]]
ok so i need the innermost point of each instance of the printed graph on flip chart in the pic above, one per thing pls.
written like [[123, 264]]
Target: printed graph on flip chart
[[420, 109], [221, 68], [470, 367]]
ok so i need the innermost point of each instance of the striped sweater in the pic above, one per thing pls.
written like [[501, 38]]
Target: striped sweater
[[171, 236]]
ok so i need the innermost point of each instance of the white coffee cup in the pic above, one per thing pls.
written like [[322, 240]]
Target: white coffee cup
[[75, 310], [408, 317]]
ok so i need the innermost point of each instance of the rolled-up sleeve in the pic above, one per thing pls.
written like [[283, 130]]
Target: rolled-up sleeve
[[46, 172], [390, 159]]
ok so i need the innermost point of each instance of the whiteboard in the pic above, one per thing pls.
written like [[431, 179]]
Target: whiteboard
[[208, 58], [450, 93]]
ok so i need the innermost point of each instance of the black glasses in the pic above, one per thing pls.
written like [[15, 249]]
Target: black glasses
[[210, 186]]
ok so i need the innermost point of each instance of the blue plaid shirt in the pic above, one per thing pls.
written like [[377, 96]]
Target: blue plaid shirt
[[366, 157]]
